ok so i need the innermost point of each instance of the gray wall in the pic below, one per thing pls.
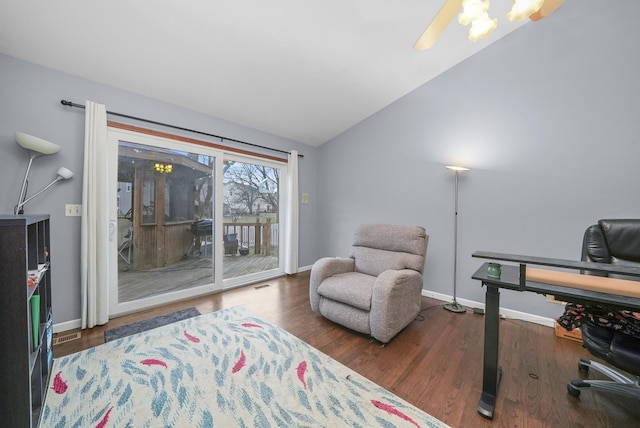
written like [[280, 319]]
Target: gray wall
[[547, 119], [30, 102]]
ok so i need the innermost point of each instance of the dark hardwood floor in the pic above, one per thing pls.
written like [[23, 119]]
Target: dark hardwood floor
[[435, 363]]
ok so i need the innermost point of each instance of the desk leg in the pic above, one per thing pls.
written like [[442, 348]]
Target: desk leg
[[491, 371]]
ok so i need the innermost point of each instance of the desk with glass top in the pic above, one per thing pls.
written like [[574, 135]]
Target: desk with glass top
[[575, 288]]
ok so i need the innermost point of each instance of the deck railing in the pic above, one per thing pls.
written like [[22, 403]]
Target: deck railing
[[258, 238]]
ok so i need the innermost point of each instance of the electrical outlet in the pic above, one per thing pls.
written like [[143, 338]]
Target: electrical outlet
[[73, 210]]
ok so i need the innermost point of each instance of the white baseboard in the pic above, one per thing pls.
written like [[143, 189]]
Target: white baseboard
[[67, 325], [304, 268], [507, 313]]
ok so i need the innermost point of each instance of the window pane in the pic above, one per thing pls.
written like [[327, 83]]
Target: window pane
[[164, 192], [251, 195]]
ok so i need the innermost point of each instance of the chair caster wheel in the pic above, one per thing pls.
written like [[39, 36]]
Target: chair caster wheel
[[573, 391], [583, 365]]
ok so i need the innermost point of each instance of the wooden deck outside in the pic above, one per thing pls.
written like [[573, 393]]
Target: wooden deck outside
[[187, 273]]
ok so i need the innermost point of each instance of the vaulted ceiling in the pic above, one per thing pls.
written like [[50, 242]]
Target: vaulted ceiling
[[304, 70]]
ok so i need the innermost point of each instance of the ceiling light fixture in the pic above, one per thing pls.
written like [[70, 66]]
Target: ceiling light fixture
[[523, 9], [482, 27], [475, 12], [165, 168], [472, 10]]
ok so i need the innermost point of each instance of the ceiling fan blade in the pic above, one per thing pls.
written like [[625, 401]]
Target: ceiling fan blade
[[438, 24], [548, 7]]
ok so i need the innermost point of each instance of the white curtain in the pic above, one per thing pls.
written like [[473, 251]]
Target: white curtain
[[291, 245], [94, 263]]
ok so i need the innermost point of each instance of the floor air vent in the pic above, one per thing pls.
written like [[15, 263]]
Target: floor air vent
[[258, 287], [66, 338]]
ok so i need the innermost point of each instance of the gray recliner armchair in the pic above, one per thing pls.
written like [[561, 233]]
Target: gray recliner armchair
[[376, 290]]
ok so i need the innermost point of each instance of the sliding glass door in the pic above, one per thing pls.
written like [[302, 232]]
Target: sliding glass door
[[188, 219], [251, 218], [165, 221]]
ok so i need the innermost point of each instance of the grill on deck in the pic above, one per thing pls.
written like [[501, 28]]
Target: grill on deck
[[204, 227]]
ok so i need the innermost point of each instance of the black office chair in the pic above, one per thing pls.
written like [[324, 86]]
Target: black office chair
[[611, 334]]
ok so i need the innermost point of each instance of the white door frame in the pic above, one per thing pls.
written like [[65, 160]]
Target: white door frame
[[115, 307], [279, 271]]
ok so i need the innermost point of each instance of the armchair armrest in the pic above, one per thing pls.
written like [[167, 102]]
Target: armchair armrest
[[323, 269], [395, 302]]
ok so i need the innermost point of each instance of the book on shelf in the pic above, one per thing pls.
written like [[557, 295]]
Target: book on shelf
[[49, 338]]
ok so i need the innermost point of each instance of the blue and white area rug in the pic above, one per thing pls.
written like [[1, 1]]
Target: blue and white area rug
[[224, 369]]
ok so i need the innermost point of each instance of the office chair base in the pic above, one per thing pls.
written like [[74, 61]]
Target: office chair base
[[620, 383]]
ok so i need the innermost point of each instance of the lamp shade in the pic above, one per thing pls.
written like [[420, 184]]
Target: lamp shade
[[36, 144], [65, 173], [482, 27], [522, 9], [457, 168], [472, 10]]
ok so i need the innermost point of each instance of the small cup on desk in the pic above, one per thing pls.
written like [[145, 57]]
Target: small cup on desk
[[493, 270]]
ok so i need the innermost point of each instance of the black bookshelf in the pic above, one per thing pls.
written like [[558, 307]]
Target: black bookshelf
[[26, 353]]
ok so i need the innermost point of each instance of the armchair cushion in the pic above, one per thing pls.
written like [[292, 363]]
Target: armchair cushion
[[403, 239], [357, 294], [346, 315], [385, 247], [373, 261]]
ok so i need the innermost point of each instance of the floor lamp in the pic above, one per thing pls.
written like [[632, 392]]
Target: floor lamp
[[454, 306], [36, 147]]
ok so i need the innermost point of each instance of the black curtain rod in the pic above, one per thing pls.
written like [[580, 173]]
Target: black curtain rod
[[72, 104]]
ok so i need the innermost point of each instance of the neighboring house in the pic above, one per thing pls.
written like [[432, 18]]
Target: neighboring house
[[244, 200]]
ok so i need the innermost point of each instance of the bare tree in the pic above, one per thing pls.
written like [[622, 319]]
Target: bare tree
[[251, 184]]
